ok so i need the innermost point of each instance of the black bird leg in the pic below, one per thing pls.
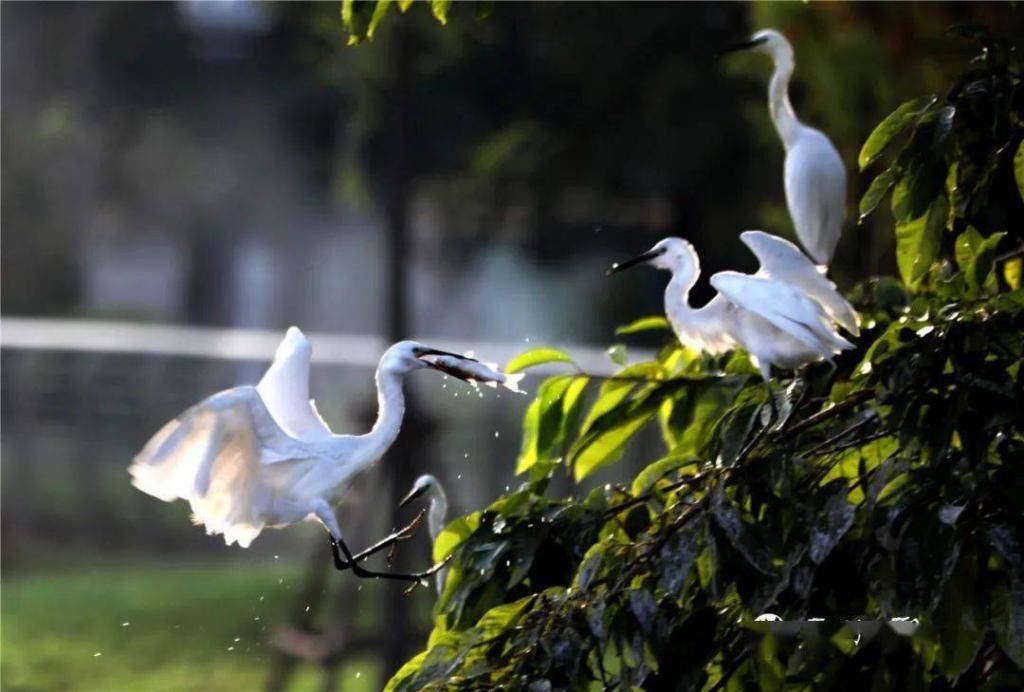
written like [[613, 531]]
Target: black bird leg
[[387, 542]]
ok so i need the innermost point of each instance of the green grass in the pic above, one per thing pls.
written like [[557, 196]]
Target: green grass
[[152, 628]]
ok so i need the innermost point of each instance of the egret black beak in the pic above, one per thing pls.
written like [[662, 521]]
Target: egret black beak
[[745, 45], [413, 494], [639, 259], [438, 352]]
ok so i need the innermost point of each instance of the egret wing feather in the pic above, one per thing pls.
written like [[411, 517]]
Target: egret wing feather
[[785, 307], [211, 456], [815, 183], [284, 389], [782, 260]]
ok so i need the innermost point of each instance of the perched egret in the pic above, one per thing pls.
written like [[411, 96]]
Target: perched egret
[[438, 510], [784, 315], [814, 176], [253, 457]]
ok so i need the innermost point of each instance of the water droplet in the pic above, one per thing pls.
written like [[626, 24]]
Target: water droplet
[[125, 624], [281, 580], [97, 654], [231, 648], [256, 619], [466, 455], [307, 609], [237, 639], [358, 675], [527, 339], [496, 433], [261, 598], [458, 477], [277, 557]]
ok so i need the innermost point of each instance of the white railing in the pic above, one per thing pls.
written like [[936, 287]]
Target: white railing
[[106, 336]]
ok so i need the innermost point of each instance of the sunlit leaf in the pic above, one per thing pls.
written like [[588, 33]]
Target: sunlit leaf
[[881, 184], [617, 354], [646, 479], [644, 324], [380, 9], [455, 533], [1018, 169], [918, 240], [1012, 272], [607, 447], [894, 123], [535, 357], [440, 9]]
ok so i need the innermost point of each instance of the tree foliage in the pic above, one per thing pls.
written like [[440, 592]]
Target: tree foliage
[[886, 487]]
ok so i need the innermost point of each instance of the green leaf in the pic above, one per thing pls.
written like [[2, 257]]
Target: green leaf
[[497, 620], [1008, 619], [379, 10], [403, 5], [646, 479], [440, 9], [892, 125], [607, 447], [1012, 272], [644, 324], [960, 617], [617, 354], [536, 356], [455, 533], [877, 190], [1018, 169], [918, 240]]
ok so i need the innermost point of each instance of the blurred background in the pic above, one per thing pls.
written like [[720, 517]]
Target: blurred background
[[184, 180]]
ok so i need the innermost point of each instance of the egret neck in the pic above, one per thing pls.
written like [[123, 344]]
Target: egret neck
[[700, 327], [783, 115], [391, 409]]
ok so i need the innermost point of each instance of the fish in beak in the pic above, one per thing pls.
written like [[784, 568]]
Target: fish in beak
[[639, 259], [438, 360]]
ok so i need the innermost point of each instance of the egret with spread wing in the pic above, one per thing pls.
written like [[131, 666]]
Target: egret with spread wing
[[250, 458], [813, 174], [785, 315], [429, 485]]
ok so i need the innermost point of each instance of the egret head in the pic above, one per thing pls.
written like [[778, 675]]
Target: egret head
[[767, 41], [406, 356], [423, 484], [672, 254]]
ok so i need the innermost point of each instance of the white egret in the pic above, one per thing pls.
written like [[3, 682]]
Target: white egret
[[253, 457], [813, 174], [784, 315], [436, 513]]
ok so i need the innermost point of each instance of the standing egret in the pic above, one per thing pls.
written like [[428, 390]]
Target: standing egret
[[253, 457], [814, 175], [428, 484], [783, 315]]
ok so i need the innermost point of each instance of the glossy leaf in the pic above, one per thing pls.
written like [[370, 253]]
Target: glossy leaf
[[1018, 169], [918, 240], [654, 322], [535, 357], [455, 533], [895, 123], [440, 9]]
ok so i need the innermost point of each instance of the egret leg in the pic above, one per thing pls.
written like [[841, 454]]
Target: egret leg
[[363, 573], [389, 541], [774, 415], [326, 516]]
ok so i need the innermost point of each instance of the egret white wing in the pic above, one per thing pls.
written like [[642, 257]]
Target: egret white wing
[[782, 260], [815, 182], [785, 307], [212, 456], [285, 389]]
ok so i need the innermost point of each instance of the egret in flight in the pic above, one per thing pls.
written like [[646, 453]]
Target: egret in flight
[[250, 458], [785, 315], [814, 175], [436, 514]]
